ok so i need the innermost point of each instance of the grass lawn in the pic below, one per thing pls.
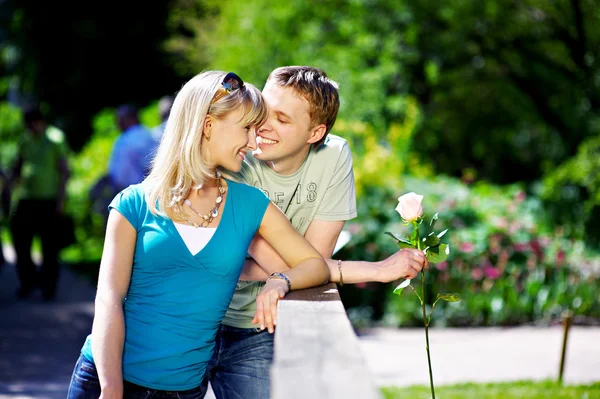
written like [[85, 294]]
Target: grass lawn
[[510, 390]]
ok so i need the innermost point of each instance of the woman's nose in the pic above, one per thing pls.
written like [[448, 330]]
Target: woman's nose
[[251, 139]]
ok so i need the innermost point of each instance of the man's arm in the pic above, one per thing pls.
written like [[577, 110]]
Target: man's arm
[[323, 235]]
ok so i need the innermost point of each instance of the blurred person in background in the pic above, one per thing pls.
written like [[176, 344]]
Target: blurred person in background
[[308, 173], [132, 151], [175, 247], [129, 161], [41, 172]]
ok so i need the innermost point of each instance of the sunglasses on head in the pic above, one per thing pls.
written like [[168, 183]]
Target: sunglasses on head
[[231, 82]]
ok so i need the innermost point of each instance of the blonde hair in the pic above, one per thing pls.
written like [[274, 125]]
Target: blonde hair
[[179, 165]]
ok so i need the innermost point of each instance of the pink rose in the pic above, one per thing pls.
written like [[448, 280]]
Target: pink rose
[[442, 266], [491, 272], [477, 274], [467, 247], [410, 207]]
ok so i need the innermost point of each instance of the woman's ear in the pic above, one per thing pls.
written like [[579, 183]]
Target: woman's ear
[[207, 130]]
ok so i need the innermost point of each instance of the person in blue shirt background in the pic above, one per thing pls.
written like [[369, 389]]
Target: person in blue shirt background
[[132, 151], [175, 246]]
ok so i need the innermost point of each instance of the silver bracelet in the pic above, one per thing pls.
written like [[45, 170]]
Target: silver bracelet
[[280, 276]]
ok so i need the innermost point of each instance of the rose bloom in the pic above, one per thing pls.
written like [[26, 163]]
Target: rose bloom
[[477, 274], [491, 272], [410, 207], [442, 266], [467, 247]]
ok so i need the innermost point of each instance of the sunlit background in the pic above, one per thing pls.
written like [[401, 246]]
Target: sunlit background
[[490, 109]]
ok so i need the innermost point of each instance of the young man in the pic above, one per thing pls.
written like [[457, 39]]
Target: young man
[[41, 170], [308, 174]]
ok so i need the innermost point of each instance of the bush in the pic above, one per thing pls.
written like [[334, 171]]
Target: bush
[[571, 193], [508, 264]]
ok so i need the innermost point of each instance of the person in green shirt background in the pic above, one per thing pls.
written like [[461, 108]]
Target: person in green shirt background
[[40, 174]]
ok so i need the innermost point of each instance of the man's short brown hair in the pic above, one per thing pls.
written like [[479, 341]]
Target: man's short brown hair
[[315, 87]]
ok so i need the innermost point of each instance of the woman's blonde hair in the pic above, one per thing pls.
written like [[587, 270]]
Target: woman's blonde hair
[[179, 165]]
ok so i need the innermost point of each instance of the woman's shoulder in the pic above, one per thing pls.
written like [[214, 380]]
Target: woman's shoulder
[[133, 194], [244, 189]]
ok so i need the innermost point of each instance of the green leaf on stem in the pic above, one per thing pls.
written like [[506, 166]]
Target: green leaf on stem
[[434, 219], [401, 286], [438, 253], [399, 238], [449, 297], [442, 233], [431, 241]]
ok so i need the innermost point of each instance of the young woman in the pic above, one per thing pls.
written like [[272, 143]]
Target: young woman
[[174, 249]]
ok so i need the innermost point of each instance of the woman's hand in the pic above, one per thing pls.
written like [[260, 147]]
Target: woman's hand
[[266, 303]]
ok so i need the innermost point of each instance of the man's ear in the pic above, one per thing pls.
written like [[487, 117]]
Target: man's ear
[[317, 133], [207, 129]]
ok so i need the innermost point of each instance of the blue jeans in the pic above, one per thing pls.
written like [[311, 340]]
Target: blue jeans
[[240, 366], [86, 385]]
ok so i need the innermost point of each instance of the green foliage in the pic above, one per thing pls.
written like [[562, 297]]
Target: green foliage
[[87, 167], [504, 89], [11, 126], [355, 42], [505, 390], [572, 193], [509, 266]]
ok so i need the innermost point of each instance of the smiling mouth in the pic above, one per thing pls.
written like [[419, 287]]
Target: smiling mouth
[[264, 140]]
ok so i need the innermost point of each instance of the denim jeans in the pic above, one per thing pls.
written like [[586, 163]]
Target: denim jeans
[[240, 366], [86, 385]]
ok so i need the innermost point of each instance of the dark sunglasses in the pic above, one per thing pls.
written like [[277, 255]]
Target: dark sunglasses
[[231, 82]]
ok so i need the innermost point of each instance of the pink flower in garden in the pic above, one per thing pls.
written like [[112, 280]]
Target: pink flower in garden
[[520, 196], [467, 247], [410, 207], [560, 258], [491, 272], [477, 274], [514, 227], [442, 266], [521, 246], [544, 241], [501, 223], [536, 247]]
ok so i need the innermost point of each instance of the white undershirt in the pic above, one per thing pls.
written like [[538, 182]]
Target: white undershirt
[[195, 238]]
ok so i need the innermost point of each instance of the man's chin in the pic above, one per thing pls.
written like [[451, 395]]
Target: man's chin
[[261, 155]]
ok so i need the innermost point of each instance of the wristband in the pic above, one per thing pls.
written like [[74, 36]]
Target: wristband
[[280, 276]]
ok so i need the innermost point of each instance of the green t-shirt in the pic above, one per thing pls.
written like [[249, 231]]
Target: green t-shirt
[[40, 171], [322, 189]]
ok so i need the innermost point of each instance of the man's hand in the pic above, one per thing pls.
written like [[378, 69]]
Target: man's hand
[[406, 263], [266, 304]]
